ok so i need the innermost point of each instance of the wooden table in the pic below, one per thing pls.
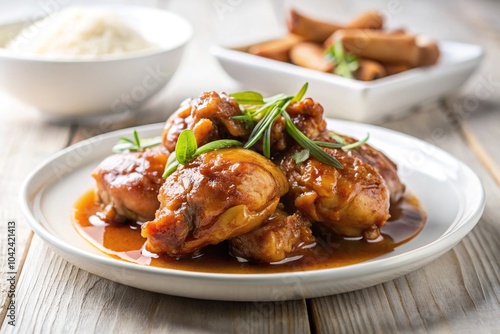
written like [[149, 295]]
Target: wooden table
[[458, 293]]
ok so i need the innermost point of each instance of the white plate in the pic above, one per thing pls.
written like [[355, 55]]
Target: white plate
[[450, 192], [353, 99]]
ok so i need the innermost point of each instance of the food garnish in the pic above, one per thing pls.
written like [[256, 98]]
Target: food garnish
[[345, 63], [362, 49], [186, 150], [356, 144], [264, 112], [126, 144]]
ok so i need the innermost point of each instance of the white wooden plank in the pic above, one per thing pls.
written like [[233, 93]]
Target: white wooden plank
[[21, 132], [56, 297]]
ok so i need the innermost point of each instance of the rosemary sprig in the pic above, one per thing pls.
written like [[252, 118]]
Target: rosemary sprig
[[338, 138], [265, 115], [128, 145], [262, 125], [345, 64], [308, 144], [248, 97], [265, 111]]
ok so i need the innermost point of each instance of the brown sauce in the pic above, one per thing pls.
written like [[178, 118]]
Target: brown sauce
[[125, 242]]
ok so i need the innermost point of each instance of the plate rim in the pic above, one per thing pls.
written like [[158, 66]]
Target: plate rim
[[375, 266]]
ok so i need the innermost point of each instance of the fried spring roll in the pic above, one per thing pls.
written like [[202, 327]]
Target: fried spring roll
[[369, 70], [310, 29], [310, 55], [429, 51], [379, 46], [391, 69], [367, 20], [277, 49], [398, 31]]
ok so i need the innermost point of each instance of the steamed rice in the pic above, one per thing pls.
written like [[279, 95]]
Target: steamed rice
[[79, 32]]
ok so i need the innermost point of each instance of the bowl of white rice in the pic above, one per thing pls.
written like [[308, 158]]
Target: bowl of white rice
[[92, 60]]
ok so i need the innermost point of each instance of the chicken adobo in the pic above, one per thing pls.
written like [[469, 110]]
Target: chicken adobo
[[219, 195], [262, 176], [128, 184]]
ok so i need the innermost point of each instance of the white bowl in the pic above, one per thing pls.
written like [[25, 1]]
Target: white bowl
[[76, 87], [353, 99]]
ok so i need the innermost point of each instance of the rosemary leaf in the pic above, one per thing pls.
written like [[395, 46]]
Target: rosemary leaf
[[217, 145], [136, 137], [150, 142], [329, 145], [243, 117], [301, 156], [356, 144], [259, 129], [129, 145], [308, 144], [171, 165], [248, 97], [301, 93], [337, 138], [122, 147], [266, 142]]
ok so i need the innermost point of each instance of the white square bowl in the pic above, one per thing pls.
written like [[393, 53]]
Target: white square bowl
[[353, 99]]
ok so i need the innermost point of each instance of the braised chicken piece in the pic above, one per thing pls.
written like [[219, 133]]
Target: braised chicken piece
[[209, 117], [128, 184], [307, 116], [280, 235], [218, 196], [349, 201], [385, 166]]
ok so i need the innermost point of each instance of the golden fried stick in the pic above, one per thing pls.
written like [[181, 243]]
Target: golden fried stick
[[370, 70], [277, 49], [391, 69], [429, 51], [310, 29], [310, 55], [379, 46], [367, 20]]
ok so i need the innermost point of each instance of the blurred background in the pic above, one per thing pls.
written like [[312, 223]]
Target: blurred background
[[237, 22]]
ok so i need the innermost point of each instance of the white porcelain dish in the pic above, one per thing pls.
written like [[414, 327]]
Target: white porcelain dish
[[450, 192], [79, 87], [353, 99]]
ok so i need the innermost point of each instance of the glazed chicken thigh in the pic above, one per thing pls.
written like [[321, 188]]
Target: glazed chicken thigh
[[386, 168], [218, 196], [128, 184], [209, 117], [351, 201], [275, 239]]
